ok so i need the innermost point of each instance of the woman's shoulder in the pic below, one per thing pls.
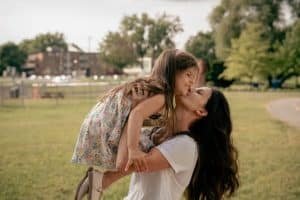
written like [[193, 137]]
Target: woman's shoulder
[[180, 151], [181, 140], [187, 144], [185, 139]]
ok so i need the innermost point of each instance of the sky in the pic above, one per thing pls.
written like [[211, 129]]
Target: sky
[[86, 22]]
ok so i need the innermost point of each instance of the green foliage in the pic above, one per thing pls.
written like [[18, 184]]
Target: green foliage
[[137, 30], [151, 35], [27, 45], [285, 61], [117, 50], [229, 27], [229, 19], [162, 32], [270, 52], [295, 6], [248, 54], [11, 55], [213, 75], [202, 46], [42, 41], [292, 46]]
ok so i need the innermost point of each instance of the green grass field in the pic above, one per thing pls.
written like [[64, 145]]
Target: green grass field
[[37, 142]]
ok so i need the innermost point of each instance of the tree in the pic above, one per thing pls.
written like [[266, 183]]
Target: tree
[[224, 20], [229, 19], [149, 35], [117, 50], [138, 30], [27, 45], [162, 32], [42, 41], [11, 55], [285, 62], [248, 55], [295, 6], [202, 45]]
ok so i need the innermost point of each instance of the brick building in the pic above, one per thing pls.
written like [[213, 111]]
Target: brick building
[[69, 62]]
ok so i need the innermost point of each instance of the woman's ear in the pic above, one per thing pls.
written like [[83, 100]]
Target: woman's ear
[[201, 112]]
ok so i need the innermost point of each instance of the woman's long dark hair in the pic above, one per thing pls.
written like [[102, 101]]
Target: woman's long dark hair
[[216, 171]]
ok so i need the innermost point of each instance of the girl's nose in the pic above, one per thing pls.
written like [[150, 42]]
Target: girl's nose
[[192, 89], [193, 81]]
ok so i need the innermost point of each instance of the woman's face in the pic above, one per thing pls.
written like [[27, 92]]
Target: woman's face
[[184, 80], [195, 99]]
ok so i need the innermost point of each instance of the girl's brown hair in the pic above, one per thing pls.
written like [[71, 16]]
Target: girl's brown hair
[[166, 66]]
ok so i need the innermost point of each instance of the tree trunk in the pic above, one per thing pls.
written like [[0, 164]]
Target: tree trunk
[[142, 63], [278, 81], [269, 81], [152, 60]]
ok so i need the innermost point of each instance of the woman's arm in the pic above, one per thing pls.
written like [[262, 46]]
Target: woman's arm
[[179, 153], [144, 109], [155, 161]]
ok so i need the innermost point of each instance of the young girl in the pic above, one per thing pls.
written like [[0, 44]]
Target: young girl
[[98, 143]]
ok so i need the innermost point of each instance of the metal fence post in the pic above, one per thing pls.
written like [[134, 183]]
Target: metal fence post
[[2, 91], [56, 95], [22, 93]]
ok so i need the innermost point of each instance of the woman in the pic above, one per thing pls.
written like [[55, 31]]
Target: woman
[[200, 158]]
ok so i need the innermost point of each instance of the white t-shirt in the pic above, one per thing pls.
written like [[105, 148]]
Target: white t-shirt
[[168, 184]]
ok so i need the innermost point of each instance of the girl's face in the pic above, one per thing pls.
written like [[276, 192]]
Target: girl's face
[[196, 99], [184, 81]]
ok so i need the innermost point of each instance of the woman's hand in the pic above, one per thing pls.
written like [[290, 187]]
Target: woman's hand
[[136, 159]]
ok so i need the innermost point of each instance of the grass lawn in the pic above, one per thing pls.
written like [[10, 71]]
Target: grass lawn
[[37, 142]]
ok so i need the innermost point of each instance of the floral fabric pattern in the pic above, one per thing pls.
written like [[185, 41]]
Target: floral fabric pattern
[[100, 133]]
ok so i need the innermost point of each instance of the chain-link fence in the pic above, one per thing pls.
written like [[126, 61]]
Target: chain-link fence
[[22, 92]]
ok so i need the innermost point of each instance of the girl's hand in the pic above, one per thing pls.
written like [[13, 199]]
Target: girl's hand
[[138, 93], [136, 159]]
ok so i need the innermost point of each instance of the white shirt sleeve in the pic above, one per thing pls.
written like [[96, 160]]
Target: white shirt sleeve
[[180, 152]]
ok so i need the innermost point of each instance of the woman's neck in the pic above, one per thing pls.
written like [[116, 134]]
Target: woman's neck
[[183, 119]]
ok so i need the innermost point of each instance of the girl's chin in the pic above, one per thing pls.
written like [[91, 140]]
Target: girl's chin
[[183, 94], [186, 93]]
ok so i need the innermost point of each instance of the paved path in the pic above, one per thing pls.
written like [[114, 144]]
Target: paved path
[[287, 110]]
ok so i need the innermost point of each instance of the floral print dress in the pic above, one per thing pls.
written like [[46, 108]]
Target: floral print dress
[[100, 133]]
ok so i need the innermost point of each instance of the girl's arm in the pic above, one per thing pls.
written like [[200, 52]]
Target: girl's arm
[[135, 121]]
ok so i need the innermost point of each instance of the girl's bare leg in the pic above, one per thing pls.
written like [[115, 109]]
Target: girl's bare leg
[[122, 155], [111, 177]]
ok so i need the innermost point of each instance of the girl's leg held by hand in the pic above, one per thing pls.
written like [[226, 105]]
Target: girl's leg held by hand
[[111, 177]]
